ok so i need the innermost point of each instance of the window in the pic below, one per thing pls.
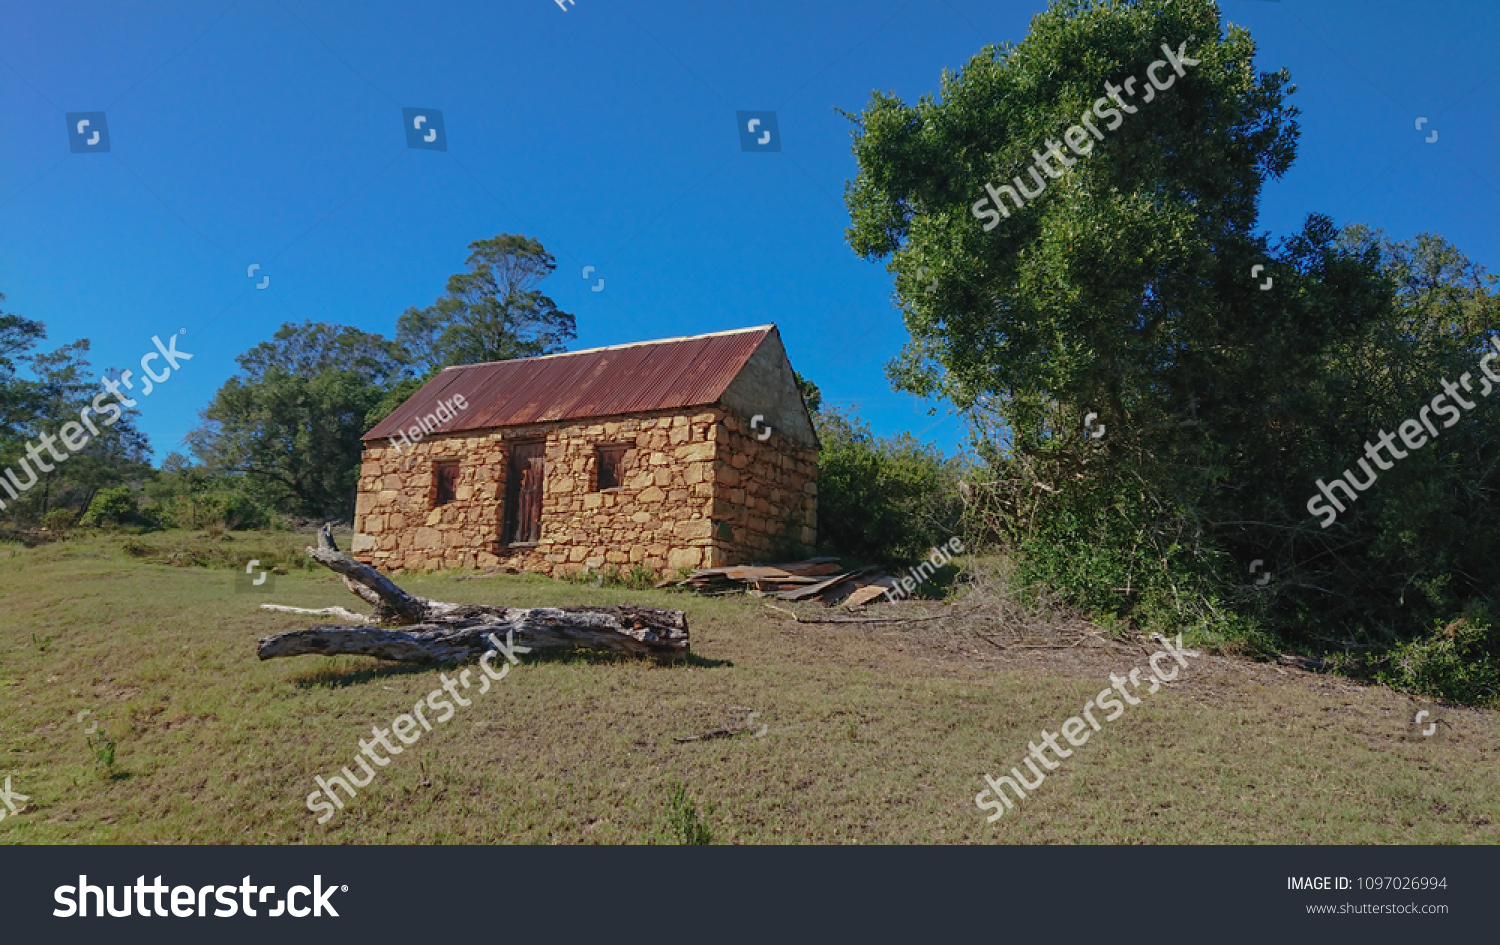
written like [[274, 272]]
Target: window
[[609, 461], [447, 483]]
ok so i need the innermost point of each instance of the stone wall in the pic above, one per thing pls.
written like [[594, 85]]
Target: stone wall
[[766, 505], [695, 492]]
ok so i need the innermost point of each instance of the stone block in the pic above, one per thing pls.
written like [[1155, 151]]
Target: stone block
[[694, 528], [651, 494], [684, 558]]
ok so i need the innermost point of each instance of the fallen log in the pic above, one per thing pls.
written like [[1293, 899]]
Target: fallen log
[[430, 630]]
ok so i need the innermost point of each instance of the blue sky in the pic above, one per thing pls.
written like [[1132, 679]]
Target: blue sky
[[271, 132]]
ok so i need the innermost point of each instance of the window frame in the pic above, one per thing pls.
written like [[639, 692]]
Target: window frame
[[619, 466], [438, 467]]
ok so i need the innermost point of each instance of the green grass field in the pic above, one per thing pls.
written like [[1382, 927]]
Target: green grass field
[[877, 732]]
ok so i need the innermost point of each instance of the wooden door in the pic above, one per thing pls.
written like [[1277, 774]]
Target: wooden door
[[523, 493]]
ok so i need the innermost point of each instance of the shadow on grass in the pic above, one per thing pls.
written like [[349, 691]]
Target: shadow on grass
[[609, 657], [693, 659], [335, 677]]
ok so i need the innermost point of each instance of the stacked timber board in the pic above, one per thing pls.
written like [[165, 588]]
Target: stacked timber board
[[816, 579]]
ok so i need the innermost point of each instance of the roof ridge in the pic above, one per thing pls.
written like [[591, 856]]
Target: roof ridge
[[634, 344]]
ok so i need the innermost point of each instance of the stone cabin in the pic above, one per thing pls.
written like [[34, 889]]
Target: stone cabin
[[685, 452]]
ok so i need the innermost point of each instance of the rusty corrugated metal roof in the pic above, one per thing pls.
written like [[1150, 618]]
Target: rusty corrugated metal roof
[[600, 382]]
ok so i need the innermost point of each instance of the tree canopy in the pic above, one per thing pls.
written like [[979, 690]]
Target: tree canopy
[[62, 384], [18, 335], [492, 312], [292, 420]]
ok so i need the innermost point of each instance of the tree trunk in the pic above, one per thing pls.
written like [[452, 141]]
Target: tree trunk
[[433, 630]]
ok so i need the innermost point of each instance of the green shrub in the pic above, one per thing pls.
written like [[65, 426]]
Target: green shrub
[[1459, 663], [58, 520], [883, 500], [191, 497], [222, 510], [684, 822], [115, 506]]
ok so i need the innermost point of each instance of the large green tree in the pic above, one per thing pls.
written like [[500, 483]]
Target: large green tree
[[1154, 419], [493, 312], [291, 421], [1130, 257]]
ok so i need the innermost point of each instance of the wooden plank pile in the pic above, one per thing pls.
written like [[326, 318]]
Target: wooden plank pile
[[816, 579]]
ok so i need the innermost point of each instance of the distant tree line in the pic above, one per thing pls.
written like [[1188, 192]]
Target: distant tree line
[[283, 436]]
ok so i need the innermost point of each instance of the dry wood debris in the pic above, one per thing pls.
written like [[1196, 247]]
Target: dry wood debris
[[416, 629], [816, 579]]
